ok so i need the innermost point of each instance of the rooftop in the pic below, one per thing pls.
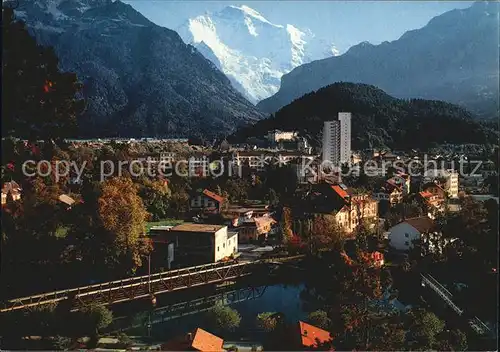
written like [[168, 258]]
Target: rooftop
[[422, 224], [205, 341], [341, 191], [425, 194], [161, 227], [213, 195], [311, 335], [66, 199], [192, 227]]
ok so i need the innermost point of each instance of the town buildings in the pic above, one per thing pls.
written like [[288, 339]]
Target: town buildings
[[336, 147], [448, 179], [259, 160]]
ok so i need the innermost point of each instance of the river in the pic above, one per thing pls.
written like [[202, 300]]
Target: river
[[180, 312]]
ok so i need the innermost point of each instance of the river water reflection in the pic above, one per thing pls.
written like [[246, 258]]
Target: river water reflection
[[169, 320]]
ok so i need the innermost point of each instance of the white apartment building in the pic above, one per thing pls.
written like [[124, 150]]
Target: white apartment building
[[337, 140], [345, 137]]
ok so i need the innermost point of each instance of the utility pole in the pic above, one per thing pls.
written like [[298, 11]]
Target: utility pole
[[149, 272]]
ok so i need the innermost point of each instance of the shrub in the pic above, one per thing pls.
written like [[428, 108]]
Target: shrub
[[223, 318]]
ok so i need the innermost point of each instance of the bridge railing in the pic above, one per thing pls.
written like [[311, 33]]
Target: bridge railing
[[479, 327], [475, 323], [139, 283], [441, 291]]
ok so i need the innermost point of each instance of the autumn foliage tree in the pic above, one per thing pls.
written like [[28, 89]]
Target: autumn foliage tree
[[287, 222], [123, 216]]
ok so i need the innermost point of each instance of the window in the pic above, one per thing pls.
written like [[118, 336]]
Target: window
[[406, 235], [407, 243], [217, 248], [223, 245]]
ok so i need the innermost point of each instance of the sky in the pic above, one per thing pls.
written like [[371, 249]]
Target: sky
[[344, 23]]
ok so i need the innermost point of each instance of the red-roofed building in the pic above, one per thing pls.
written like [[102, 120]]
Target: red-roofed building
[[420, 230], [342, 192], [201, 340], [433, 197], [312, 337], [206, 202], [402, 235], [349, 209]]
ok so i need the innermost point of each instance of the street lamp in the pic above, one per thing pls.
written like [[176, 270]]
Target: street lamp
[[149, 272]]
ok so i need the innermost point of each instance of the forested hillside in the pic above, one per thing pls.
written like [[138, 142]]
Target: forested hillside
[[453, 58], [378, 118]]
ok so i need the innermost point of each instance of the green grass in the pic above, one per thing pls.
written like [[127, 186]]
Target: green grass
[[166, 222]]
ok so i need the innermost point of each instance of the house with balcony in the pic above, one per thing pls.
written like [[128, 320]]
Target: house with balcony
[[447, 179], [255, 229], [205, 202], [390, 192], [349, 208]]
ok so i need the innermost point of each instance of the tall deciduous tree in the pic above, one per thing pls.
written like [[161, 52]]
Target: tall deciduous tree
[[324, 233], [286, 225], [38, 101], [123, 216], [155, 195]]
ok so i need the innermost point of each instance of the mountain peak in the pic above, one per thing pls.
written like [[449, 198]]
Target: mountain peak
[[239, 12], [251, 50]]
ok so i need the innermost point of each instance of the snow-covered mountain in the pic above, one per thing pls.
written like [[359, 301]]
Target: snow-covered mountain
[[253, 52]]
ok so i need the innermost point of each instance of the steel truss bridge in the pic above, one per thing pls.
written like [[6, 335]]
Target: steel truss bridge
[[175, 310], [133, 288], [475, 323]]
